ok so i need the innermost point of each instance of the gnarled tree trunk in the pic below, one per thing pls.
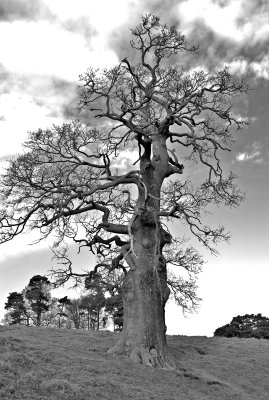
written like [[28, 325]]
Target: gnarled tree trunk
[[145, 291]]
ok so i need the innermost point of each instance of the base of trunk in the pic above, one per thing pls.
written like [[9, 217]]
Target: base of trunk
[[143, 355], [144, 294]]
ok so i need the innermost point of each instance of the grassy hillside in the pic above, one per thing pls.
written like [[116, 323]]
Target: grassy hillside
[[44, 363]]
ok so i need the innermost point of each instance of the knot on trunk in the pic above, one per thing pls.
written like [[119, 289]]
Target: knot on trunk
[[127, 288], [147, 218]]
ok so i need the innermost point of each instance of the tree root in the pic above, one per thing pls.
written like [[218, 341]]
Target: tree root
[[117, 349], [143, 355]]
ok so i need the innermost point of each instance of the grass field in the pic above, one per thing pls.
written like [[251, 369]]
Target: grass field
[[50, 364]]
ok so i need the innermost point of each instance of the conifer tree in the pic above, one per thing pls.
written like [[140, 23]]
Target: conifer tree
[[37, 293]]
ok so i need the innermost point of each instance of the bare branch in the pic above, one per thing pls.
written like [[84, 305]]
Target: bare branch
[[78, 182]]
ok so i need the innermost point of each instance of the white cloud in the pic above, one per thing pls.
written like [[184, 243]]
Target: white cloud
[[125, 160], [241, 66], [22, 245], [48, 47], [253, 20], [254, 154], [45, 49], [221, 20], [35, 52], [244, 23], [238, 66], [21, 115], [229, 20], [103, 15], [261, 68], [241, 156]]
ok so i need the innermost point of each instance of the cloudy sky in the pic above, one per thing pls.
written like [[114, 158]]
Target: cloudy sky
[[46, 44]]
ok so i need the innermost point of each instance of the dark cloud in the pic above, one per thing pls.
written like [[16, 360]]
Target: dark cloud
[[164, 9], [214, 49], [167, 11], [252, 9], [63, 90], [11, 10], [120, 39], [200, 36], [54, 94], [258, 104], [71, 111], [48, 87]]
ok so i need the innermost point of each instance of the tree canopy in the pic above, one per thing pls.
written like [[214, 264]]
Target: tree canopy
[[17, 308], [35, 306], [37, 292]]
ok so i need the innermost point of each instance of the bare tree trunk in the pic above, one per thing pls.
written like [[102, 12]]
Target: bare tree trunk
[[145, 290], [145, 293]]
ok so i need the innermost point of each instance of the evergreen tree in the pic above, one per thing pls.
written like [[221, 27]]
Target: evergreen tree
[[74, 313], [18, 311], [37, 293], [62, 304], [94, 302]]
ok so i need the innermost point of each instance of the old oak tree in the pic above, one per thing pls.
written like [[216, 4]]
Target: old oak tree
[[69, 181]]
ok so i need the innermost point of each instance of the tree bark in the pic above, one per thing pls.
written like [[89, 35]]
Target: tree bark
[[145, 291]]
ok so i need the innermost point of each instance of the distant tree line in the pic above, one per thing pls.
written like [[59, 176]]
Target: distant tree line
[[35, 306], [246, 326]]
